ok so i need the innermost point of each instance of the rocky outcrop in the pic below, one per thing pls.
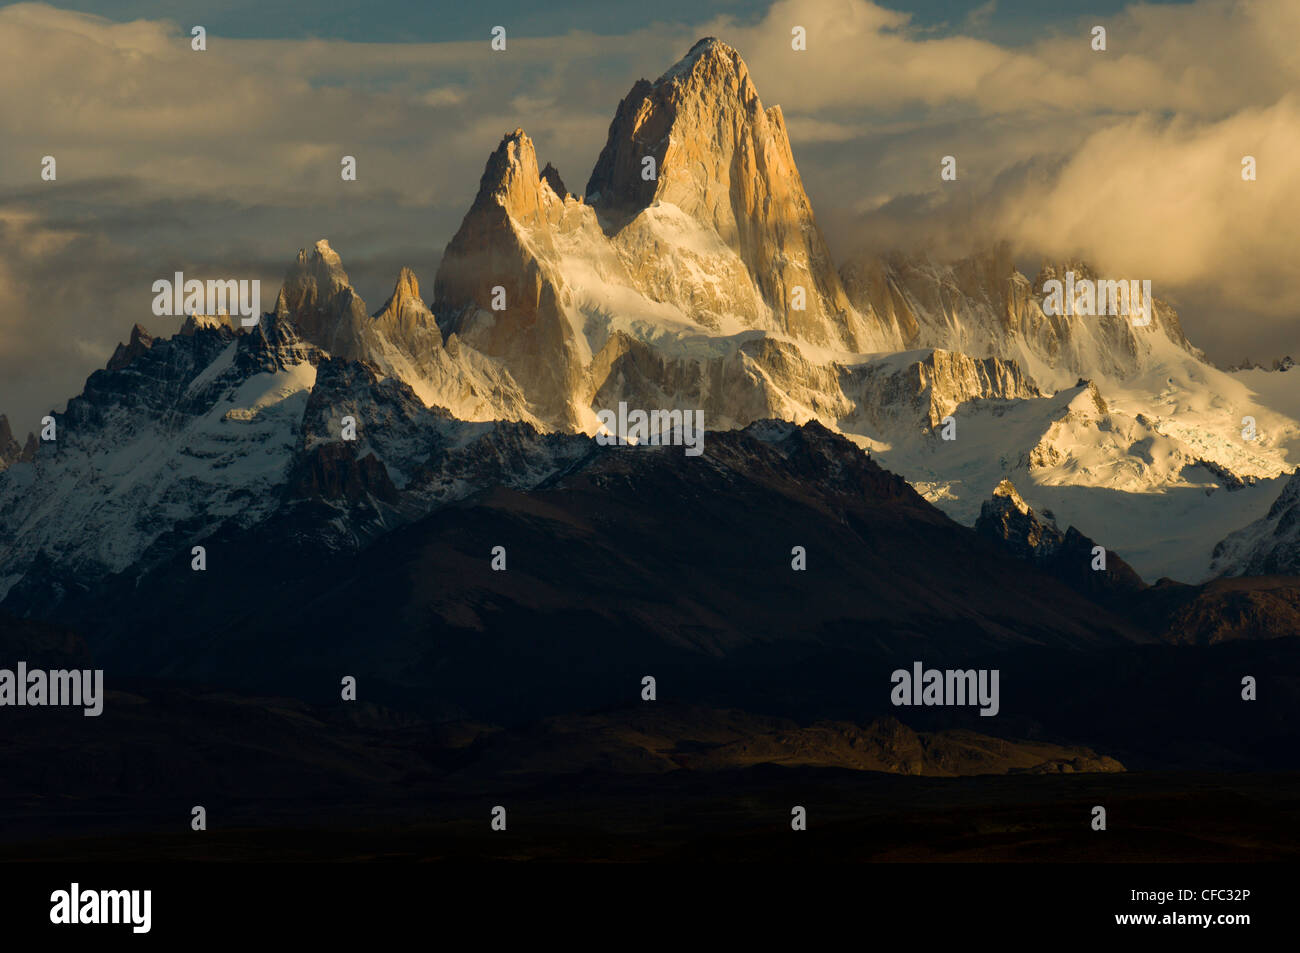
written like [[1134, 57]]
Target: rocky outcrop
[[725, 161], [318, 298], [1226, 609], [332, 471], [914, 391], [11, 451], [677, 737], [401, 339], [139, 342], [551, 176], [1007, 518], [190, 432], [981, 305], [1069, 555], [499, 289]]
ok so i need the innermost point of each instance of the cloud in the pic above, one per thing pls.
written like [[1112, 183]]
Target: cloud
[[443, 96], [1207, 58], [808, 129], [270, 120], [1167, 199], [979, 17], [223, 163], [228, 160]]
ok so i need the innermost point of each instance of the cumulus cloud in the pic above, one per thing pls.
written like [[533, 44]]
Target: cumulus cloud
[[1167, 199], [1207, 58], [270, 120]]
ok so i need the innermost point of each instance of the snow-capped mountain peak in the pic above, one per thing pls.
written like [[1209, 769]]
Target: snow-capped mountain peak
[[691, 275]]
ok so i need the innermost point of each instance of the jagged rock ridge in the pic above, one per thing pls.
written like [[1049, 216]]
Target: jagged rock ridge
[[1070, 556], [677, 291]]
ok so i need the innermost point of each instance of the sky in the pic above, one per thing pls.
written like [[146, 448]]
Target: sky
[[386, 21], [223, 163]]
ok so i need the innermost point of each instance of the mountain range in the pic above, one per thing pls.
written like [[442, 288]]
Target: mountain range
[[690, 274], [648, 653]]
